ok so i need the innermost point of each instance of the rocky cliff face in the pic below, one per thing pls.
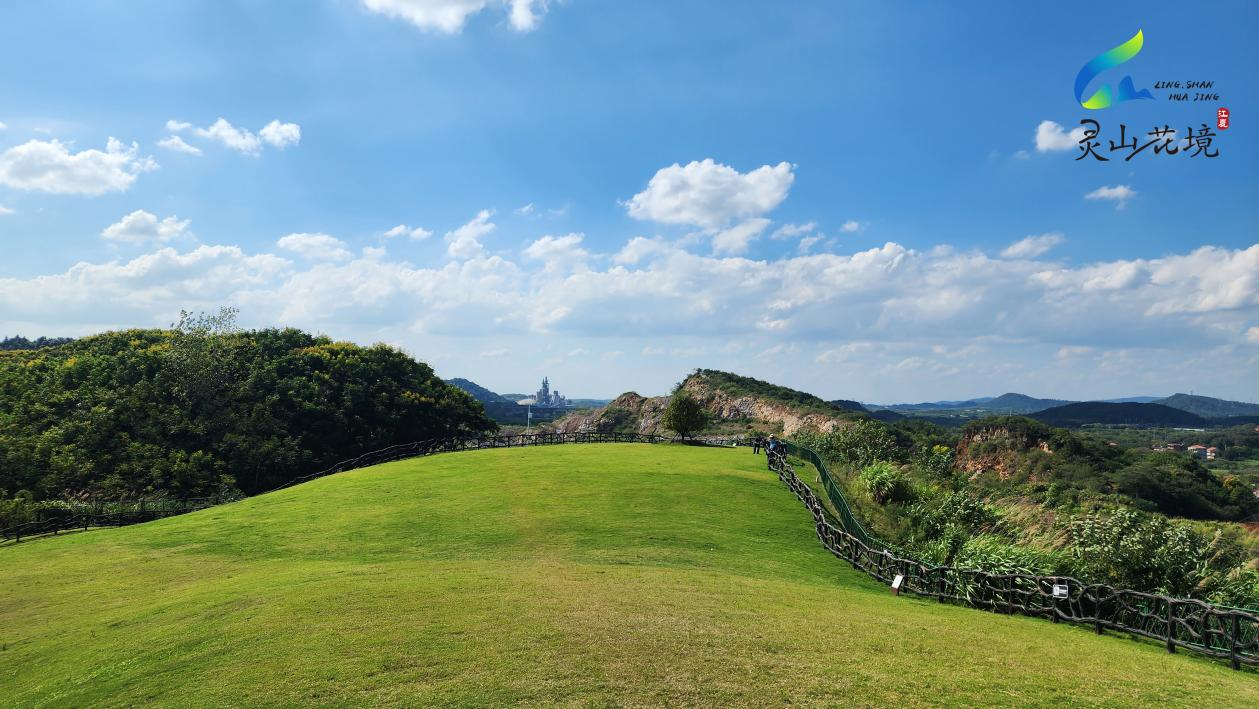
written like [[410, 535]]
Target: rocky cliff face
[[632, 412], [628, 412], [996, 449]]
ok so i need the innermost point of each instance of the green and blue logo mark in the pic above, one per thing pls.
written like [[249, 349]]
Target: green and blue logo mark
[[1104, 97]]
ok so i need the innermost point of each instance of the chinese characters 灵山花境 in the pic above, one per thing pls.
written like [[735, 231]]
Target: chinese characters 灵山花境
[[1163, 141]]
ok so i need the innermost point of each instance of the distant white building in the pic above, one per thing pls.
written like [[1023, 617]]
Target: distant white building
[[547, 399]]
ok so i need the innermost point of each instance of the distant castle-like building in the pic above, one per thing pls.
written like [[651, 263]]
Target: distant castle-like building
[[547, 399]]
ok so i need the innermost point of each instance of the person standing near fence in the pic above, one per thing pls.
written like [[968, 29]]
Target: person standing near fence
[[757, 443]]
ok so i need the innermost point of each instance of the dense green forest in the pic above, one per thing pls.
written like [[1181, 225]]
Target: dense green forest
[[17, 342], [1100, 412], [1013, 495], [202, 408]]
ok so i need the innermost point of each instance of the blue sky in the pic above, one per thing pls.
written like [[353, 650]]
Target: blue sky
[[845, 197]]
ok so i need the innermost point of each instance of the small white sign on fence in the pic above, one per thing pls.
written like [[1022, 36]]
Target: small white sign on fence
[[896, 584], [1061, 591]]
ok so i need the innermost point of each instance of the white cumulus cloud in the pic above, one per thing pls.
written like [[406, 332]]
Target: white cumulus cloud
[[1119, 194], [450, 16], [235, 138], [1032, 246], [465, 242], [281, 135], [317, 247], [558, 253], [141, 227], [177, 144], [710, 195], [736, 239], [413, 233], [1051, 137], [50, 166], [276, 134], [786, 231]]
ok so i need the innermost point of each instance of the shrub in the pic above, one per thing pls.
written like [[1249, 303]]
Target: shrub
[[935, 460], [994, 555], [886, 483], [1147, 552], [1239, 589], [858, 444], [955, 509]]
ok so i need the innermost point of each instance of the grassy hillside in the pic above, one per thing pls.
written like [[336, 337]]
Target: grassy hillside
[[610, 574]]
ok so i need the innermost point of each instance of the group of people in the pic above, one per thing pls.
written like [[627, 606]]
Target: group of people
[[770, 445]]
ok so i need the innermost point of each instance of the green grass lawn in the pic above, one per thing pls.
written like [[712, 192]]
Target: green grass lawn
[[624, 575]]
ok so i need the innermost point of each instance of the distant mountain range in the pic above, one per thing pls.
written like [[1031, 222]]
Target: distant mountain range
[[1182, 410], [1125, 413], [1204, 406], [1209, 407]]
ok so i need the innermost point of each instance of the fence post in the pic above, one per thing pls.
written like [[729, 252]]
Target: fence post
[[1232, 645], [1171, 628]]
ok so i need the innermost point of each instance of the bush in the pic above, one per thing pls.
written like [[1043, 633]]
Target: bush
[[1239, 589], [955, 509], [1145, 552], [935, 460], [858, 444], [886, 483], [994, 555]]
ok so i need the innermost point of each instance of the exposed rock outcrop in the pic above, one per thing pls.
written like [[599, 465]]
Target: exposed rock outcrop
[[997, 448], [633, 412]]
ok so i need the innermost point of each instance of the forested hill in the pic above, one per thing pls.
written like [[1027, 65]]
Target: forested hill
[[17, 342], [478, 392], [1209, 407], [190, 411], [1130, 414]]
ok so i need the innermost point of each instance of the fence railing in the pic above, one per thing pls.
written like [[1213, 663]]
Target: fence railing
[[105, 513], [1217, 631], [836, 497]]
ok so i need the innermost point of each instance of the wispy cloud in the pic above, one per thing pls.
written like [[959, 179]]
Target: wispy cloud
[[1119, 194]]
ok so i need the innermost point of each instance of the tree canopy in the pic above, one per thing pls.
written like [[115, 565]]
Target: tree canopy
[[202, 406], [684, 414]]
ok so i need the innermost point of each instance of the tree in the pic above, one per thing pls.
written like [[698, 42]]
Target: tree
[[204, 406], [684, 414]]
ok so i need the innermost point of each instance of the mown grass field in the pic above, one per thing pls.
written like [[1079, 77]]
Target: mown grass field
[[608, 575]]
